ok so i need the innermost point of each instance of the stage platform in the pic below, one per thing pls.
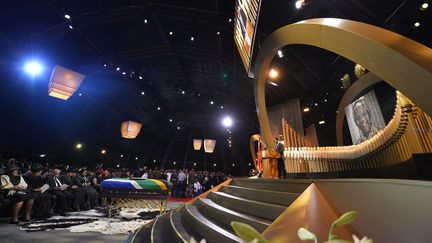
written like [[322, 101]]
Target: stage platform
[[278, 208]]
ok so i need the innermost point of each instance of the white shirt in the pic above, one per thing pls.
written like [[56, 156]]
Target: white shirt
[[197, 186]]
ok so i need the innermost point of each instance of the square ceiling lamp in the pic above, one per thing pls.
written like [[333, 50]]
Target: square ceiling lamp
[[209, 145], [197, 144], [130, 129], [64, 82]]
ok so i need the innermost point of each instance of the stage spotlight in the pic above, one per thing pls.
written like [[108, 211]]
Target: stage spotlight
[[280, 53], [194, 164], [154, 161], [321, 122], [171, 33], [214, 165], [33, 68], [218, 33], [136, 158], [121, 155], [178, 128], [183, 92], [103, 151], [145, 21], [416, 24], [42, 155], [424, 6], [67, 16], [142, 93], [71, 27], [227, 121], [299, 4], [273, 83], [78, 146], [192, 38], [158, 108], [124, 73], [140, 77], [174, 162], [211, 102], [118, 68], [306, 109], [221, 107], [273, 73], [170, 120]]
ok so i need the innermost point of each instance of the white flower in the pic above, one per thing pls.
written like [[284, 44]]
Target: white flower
[[363, 240]]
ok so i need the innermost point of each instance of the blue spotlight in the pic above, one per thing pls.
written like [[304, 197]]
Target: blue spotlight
[[33, 68]]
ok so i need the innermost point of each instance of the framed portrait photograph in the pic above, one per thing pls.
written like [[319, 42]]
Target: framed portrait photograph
[[364, 117]]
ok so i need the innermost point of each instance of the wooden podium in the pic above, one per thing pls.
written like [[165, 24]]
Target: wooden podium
[[270, 164]]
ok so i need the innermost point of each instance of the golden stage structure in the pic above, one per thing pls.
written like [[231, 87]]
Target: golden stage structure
[[389, 57], [408, 132]]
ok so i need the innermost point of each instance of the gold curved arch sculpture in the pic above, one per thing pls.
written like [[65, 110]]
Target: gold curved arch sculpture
[[353, 91], [403, 63], [253, 139]]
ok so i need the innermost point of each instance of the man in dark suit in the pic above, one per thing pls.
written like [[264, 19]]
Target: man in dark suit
[[64, 198], [280, 148], [71, 178]]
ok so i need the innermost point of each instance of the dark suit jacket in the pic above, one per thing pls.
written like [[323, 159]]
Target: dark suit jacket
[[279, 148], [50, 181]]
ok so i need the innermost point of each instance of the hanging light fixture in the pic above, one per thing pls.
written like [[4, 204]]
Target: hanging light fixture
[[209, 145], [197, 144], [64, 82], [130, 129]]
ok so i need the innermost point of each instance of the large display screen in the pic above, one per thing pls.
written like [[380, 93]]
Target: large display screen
[[364, 117], [246, 17]]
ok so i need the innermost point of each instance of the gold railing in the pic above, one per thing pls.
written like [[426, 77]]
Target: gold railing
[[408, 132]]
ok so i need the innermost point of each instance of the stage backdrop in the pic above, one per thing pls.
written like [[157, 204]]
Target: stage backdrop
[[245, 22], [289, 110], [364, 117]]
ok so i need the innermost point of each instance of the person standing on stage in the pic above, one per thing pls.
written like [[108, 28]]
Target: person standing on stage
[[280, 148]]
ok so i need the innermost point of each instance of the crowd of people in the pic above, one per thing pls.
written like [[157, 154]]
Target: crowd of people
[[43, 190]]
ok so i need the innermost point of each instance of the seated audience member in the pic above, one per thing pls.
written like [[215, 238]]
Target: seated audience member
[[197, 188], [42, 200], [207, 185], [90, 194], [15, 188], [64, 197], [72, 179]]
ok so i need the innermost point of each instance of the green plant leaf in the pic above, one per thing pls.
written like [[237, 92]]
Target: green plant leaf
[[247, 233], [346, 218], [305, 234]]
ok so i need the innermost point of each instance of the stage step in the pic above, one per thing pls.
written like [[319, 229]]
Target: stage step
[[276, 197], [286, 185], [204, 228], [224, 216], [178, 223], [158, 231], [255, 202], [259, 209]]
